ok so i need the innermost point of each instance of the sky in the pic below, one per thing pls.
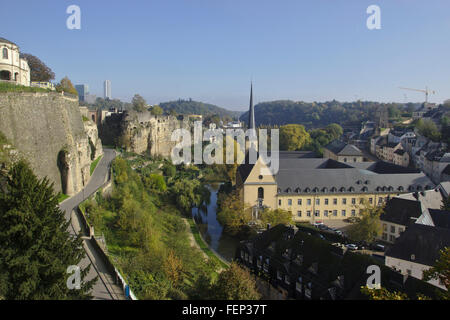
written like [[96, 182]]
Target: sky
[[210, 50]]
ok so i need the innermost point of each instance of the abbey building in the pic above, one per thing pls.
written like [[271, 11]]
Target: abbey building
[[316, 189]]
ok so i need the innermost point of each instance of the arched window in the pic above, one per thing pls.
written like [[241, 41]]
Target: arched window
[[260, 193], [5, 53]]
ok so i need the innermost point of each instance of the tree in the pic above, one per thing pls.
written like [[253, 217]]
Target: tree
[[156, 111], [446, 204], [428, 129], [35, 247], [139, 103], [66, 85], [38, 70], [368, 228], [441, 271], [173, 267], [187, 194], [383, 294], [155, 182], [293, 137], [235, 283], [276, 217], [232, 213]]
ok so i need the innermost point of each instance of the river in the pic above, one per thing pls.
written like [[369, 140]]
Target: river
[[211, 230]]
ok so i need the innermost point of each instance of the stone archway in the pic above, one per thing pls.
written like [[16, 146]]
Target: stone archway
[[5, 75]]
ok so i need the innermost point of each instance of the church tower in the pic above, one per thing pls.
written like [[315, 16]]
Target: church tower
[[252, 141]]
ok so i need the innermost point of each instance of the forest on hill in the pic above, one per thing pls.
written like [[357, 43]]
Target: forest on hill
[[315, 114], [195, 107]]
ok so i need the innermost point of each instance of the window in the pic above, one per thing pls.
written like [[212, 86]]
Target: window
[[384, 227], [384, 237], [308, 213], [353, 213], [317, 201], [279, 202], [344, 201], [335, 201], [299, 214], [353, 201], [380, 200], [392, 229], [317, 213], [326, 202], [345, 159], [335, 213], [261, 193], [299, 202], [391, 238], [354, 159], [5, 53], [361, 200], [343, 213], [325, 213], [400, 230], [289, 202], [370, 200], [308, 202]]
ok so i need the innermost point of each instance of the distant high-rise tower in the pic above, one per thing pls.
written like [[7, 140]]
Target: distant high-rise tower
[[83, 91], [107, 89]]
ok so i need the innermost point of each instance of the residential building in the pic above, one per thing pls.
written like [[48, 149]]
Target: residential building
[[417, 249], [401, 158], [434, 164], [303, 267], [343, 152], [397, 216]]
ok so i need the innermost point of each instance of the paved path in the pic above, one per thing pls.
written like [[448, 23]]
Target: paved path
[[104, 289]]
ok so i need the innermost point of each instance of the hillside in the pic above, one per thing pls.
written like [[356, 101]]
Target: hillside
[[195, 107], [315, 114]]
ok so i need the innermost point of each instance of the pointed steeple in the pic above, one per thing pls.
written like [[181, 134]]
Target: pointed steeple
[[251, 112]]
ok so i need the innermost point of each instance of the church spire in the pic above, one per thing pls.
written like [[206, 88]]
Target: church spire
[[251, 112]]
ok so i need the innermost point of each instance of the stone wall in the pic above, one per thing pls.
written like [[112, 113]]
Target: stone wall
[[48, 131], [143, 132]]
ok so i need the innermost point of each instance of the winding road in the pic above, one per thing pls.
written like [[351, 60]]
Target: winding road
[[105, 287]]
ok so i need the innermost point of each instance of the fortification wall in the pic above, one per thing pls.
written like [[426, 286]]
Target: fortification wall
[[143, 132], [48, 131]]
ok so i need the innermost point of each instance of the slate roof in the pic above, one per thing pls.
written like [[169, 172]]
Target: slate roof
[[315, 176], [400, 152], [341, 148], [446, 170], [440, 218], [420, 244], [401, 211]]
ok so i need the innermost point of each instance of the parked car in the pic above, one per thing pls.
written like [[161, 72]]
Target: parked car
[[339, 232], [379, 247], [352, 246]]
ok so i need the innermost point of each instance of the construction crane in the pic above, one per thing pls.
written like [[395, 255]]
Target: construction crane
[[426, 91]]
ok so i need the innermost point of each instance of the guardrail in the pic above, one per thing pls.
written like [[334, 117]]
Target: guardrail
[[118, 278]]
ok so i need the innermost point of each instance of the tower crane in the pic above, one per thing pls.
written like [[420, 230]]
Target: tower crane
[[426, 91]]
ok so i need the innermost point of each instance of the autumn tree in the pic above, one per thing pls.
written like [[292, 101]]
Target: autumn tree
[[36, 247], [368, 228], [173, 267], [293, 137], [235, 283], [66, 85], [441, 271], [275, 217], [38, 70]]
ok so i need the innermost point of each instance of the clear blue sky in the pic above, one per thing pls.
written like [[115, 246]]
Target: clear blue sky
[[208, 50]]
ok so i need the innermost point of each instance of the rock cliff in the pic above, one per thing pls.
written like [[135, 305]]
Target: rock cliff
[[143, 132], [48, 131]]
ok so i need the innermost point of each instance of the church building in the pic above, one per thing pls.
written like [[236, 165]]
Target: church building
[[317, 189]]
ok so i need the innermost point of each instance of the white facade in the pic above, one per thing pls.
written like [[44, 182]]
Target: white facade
[[13, 69]]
